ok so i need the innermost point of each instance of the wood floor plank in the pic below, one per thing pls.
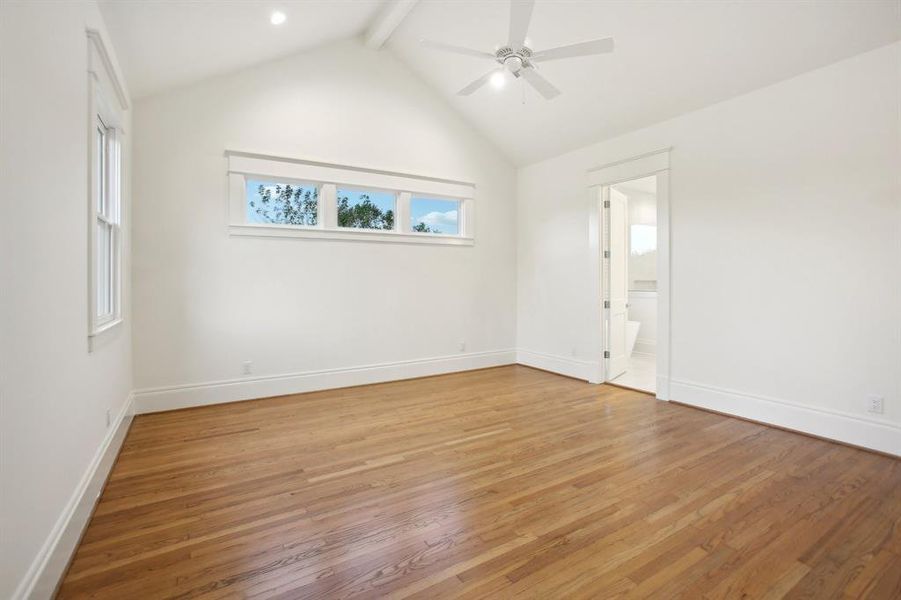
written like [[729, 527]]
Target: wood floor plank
[[486, 484]]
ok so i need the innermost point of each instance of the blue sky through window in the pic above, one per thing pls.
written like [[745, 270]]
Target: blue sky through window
[[440, 215]]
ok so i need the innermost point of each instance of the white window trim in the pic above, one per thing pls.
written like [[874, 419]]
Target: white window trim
[[243, 165], [107, 102]]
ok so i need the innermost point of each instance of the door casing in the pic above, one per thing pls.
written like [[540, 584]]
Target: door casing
[[655, 163]]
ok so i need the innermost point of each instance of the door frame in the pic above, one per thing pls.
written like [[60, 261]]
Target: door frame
[[599, 179]]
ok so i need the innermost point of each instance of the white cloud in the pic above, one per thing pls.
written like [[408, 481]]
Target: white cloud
[[442, 221]]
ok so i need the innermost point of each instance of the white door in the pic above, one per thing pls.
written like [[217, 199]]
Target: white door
[[618, 282]]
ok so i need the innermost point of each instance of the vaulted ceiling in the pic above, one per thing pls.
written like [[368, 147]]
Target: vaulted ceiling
[[165, 43], [670, 57]]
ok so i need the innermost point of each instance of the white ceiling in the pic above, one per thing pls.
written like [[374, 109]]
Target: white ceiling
[[165, 43], [671, 57]]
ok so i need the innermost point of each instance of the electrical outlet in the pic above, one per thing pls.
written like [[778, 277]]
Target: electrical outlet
[[875, 404], [463, 346], [109, 418], [248, 367]]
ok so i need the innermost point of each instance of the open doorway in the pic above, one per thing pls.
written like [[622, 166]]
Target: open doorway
[[631, 250], [629, 238]]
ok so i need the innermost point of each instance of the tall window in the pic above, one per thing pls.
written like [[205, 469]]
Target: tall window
[[106, 245], [107, 104]]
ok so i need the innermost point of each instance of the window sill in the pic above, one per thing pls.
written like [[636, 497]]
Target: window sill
[[105, 326], [97, 337], [355, 235]]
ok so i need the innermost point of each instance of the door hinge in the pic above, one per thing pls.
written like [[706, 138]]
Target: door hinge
[[606, 203], [606, 253], [606, 353], [606, 303]]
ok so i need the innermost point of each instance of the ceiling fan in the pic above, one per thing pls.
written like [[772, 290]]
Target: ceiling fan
[[519, 59]]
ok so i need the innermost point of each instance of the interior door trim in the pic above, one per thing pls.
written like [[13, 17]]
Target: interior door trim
[[657, 163]]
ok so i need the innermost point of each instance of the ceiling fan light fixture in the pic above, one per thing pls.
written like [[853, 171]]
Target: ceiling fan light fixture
[[498, 80], [513, 64]]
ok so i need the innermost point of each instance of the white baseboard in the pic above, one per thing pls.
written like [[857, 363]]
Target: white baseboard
[[49, 565], [216, 392], [858, 430], [571, 367]]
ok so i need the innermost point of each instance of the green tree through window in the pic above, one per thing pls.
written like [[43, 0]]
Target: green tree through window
[[363, 214], [423, 228], [287, 204]]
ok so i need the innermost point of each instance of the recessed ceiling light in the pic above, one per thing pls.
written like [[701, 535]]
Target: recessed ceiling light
[[498, 80], [278, 17]]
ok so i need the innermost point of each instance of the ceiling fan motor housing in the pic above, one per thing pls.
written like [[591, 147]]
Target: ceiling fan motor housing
[[514, 60]]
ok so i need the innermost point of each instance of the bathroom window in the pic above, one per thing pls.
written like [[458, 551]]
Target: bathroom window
[[642, 240]]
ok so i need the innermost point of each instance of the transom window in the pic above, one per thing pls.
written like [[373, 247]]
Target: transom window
[[282, 197], [432, 215], [282, 203], [365, 209]]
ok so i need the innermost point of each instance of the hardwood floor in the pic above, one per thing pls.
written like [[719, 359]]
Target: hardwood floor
[[488, 484]]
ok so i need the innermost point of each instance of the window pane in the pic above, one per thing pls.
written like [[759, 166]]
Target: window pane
[[282, 203], [104, 268], [101, 169], [429, 215], [112, 285], [112, 167], [365, 209]]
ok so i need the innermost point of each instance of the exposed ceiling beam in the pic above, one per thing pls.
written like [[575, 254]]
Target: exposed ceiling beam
[[384, 24]]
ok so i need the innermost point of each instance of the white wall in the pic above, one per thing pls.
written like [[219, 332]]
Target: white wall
[[205, 302], [786, 252], [786, 259], [54, 394]]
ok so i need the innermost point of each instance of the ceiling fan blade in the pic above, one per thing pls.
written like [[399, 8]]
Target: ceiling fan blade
[[477, 83], [542, 85], [520, 15], [602, 46], [456, 49]]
